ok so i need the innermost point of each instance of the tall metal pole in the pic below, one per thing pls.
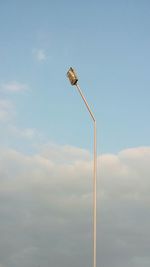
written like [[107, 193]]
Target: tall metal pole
[[94, 197], [94, 177], [74, 81]]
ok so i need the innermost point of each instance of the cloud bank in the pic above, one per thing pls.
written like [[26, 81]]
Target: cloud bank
[[46, 208]]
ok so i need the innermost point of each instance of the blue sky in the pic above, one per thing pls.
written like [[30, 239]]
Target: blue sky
[[107, 42], [46, 133]]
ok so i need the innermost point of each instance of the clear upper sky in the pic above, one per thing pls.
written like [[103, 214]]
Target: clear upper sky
[[107, 42]]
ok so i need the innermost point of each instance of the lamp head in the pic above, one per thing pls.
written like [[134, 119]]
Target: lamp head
[[72, 76]]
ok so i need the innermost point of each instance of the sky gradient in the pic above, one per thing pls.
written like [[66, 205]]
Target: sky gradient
[[46, 133]]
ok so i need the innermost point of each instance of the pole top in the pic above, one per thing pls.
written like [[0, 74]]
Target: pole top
[[72, 76]]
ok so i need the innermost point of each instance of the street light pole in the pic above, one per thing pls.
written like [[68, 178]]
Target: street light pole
[[74, 81]]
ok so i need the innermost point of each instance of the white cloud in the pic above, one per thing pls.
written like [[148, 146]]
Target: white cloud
[[28, 133], [46, 205], [40, 54], [13, 87], [124, 174], [62, 154], [6, 110]]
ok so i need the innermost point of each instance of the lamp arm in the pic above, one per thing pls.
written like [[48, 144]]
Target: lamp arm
[[86, 103]]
